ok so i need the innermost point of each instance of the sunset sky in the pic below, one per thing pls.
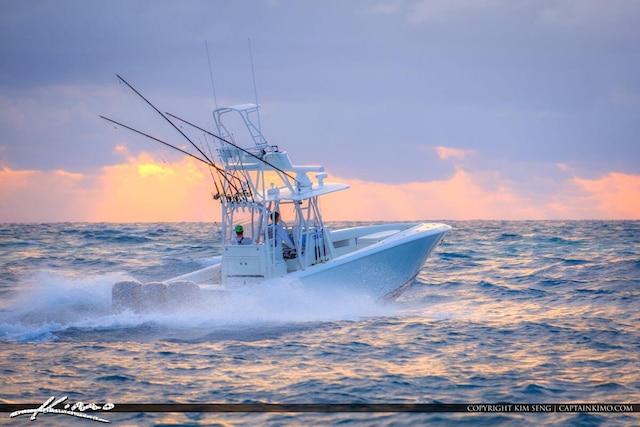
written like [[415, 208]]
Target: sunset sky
[[429, 109]]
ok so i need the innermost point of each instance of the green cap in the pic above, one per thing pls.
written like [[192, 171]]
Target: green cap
[[239, 228]]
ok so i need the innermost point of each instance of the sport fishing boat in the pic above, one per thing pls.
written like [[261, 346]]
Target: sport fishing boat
[[272, 227]]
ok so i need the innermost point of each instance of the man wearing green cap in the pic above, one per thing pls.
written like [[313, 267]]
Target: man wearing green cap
[[240, 239]]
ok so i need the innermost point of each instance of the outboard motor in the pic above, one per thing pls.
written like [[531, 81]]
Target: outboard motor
[[154, 297], [182, 294], [126, 295]]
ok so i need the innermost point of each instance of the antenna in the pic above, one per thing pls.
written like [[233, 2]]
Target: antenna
[[213, 87], [255, 90]]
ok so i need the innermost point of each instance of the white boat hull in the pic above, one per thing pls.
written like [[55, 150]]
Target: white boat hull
[[258, 248], [381, 268]]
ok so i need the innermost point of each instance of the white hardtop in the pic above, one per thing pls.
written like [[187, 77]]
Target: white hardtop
[[314, 191]]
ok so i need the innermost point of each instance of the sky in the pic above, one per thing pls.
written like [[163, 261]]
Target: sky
[[429, 109]]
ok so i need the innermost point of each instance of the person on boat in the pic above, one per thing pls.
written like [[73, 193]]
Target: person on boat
[[240, 239], [280, 234]]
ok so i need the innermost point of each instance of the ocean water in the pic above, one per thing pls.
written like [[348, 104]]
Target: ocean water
[[522, 312]]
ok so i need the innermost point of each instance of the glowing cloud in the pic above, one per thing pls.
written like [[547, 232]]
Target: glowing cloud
[[146, 170], [142, 190], [459, 197], [145, 190], [614, 196], [36, 196], [486, 195]]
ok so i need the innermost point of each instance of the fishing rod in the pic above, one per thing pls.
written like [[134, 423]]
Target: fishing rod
[[210, 170], [206, 162], [165, 117], [232, 144], [211, 162]]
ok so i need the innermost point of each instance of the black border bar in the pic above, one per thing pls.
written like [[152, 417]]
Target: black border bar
[[350, 407]]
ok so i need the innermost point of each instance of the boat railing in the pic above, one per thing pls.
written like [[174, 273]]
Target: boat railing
[[246, 111]]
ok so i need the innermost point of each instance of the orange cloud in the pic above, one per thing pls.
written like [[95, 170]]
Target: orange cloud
[[613, 196], [459, 197], [144, 190], [37, 196]]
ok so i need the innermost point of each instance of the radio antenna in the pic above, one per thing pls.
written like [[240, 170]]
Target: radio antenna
[[255, 90], [213, 87]]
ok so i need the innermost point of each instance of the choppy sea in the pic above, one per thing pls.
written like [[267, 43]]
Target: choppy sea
[[522, 312]]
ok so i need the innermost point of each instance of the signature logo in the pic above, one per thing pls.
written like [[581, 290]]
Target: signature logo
[[75, 410]]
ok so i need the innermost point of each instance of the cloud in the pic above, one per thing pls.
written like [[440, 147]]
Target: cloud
[[614, 195], [143, 189], [38, 196], [487, 195], [146, 190], [615, 18], [430, 10], [624, 97], [463, 115], [55, 127], [139, 190], [387, 7], [448, 152], [13, 113], [458, 197], [473, 74]]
